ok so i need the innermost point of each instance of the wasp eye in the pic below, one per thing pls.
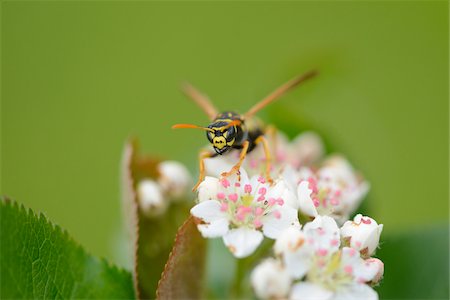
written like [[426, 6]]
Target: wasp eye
[[230, 133], [210, 136]]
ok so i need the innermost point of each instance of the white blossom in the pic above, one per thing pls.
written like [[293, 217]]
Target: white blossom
[[320, 268], [242, 211], [334, 190], [150, 198], [363, 234], [270, 280], [174, 179]]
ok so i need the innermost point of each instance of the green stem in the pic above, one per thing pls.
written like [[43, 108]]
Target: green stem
[[239, 275]]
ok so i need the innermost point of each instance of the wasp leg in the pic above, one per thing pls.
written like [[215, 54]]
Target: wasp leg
[[237, 166], [202, 156], [262, 139]]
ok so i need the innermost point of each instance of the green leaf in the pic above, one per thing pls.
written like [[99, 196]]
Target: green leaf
[[416, 264], [152, 237], [40, 260], [183, 276]]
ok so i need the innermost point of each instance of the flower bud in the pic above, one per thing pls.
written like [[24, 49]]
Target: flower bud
[[308, 148], [270, 280], [363, 233], [174, 179], [150, 198], [208, 189], [380, 267]]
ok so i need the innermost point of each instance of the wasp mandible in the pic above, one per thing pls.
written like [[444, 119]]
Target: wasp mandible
[[229, 130]]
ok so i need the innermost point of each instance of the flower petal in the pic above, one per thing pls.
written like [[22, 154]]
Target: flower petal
[[296, 253], [310, 291], [217, 165], [208, 211], [273, 226], [242, 241], [356, 291], [214, 229], [207, 190], [270, 280], [305, 203]]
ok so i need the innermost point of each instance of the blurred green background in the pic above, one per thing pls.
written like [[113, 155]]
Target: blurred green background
[[78, 78]]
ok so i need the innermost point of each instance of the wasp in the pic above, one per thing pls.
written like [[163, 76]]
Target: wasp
[[230, 130]]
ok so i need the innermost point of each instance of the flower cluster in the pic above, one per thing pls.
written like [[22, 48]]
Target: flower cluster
[[334, 189], [318, 261], [313, 263], [173, 182]]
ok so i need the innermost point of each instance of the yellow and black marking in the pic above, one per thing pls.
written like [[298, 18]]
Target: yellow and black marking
[[228, 130]]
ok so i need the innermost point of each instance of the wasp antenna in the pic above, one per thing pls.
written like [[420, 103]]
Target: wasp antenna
[[200, 99], [192, 126], [275, 95], [233, 123]]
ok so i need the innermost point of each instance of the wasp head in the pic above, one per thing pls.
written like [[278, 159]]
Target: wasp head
[[222, 136]]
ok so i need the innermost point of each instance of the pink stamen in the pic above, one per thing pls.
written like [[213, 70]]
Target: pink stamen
[[358, 244], [337, 193], [313, 185], [262, 191], [277, 214], [334, 201], [280, 201], [316, 202], [237, 184], [334, 242], [221, 196], [248, 188], [281, 156], [261, 179], [322, 252], [348, 269], [233, 197], [257, 223], [253, 164], [259, 211], [366, 221], [272, 202], [320, 231], [244, 209], [261, 198], [225, 183], [224, 207], [352, 252]]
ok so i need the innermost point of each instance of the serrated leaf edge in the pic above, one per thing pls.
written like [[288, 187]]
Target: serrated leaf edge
[[8, 202]]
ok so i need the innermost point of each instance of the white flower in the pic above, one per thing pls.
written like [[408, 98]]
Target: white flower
[[296, 254], [270, 280], [299, 248], [342, 275], [150, 198], [327, 271], [333, 190], [241, 209], [174, 179], [363, 234], [323, 235]]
